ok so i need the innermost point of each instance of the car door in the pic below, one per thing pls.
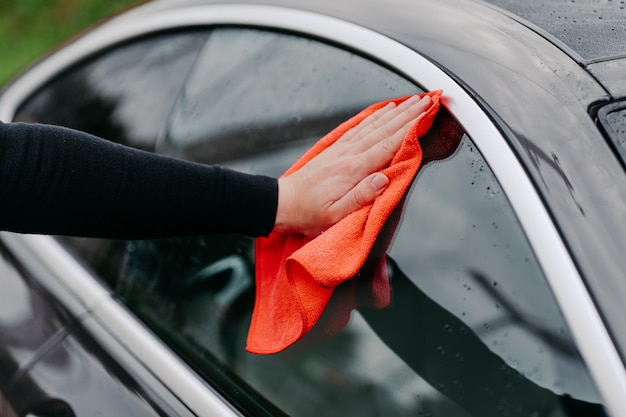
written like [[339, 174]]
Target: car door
[[473, 328]]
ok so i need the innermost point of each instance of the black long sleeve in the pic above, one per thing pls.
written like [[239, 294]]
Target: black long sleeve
[[55, 180]]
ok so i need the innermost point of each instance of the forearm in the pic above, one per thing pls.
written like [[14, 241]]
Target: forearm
[[60, 181]]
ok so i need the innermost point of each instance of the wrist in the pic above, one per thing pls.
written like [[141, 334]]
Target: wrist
[[283, 222]]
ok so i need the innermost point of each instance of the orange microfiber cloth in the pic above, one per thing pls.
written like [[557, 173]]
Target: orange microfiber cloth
[[296, 275]]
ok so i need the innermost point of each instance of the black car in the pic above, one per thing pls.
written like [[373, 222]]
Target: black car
[[506, 269]]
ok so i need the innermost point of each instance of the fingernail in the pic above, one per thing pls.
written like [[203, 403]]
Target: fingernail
[[413, 99], [379, 182]]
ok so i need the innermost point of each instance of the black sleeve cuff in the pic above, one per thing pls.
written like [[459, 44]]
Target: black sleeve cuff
[[61, 181]]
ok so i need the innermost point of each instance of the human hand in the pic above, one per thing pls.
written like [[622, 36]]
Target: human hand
[[344, 177]]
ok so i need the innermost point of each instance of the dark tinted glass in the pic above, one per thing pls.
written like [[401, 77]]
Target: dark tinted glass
[[255, 91], [473, 329], [123, 95]]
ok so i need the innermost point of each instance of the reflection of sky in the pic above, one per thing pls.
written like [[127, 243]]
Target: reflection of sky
[[366, 379], [248, 78], [390, 374], [271, 163], [130, 76]]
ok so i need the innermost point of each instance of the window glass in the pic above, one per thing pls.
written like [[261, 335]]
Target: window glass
[[472, 330], [123, 95], [253, 91]]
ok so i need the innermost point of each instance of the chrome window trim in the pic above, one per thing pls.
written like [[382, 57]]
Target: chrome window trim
[[168, 368], [591, 336]]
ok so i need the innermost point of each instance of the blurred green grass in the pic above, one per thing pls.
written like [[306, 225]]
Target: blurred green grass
[[30, 28]]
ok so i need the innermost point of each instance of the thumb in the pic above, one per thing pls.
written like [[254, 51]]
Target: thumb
[[363, 194]]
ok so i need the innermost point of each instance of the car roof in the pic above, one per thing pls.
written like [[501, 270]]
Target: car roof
[[594, 30]]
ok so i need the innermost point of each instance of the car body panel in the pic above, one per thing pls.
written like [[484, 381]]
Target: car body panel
[[86, 373], [59, 349], [32, 317], [593, 30]]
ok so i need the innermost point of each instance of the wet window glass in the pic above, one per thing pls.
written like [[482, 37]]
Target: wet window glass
[[472, 328], [123, 95], [253, 91]]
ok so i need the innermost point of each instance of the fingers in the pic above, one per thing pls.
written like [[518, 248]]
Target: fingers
[[384, 131], [344, 177], [386, 122], [363, 194], [380, 155], [382, 143], [374, 118]]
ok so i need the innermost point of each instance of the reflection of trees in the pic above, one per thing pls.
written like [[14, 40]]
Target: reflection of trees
[[72, 101]]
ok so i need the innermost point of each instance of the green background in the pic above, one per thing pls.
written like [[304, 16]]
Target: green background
[[31, 28]]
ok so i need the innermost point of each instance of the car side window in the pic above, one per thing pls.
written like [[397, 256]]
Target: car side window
[[253, 92], [473, 328], [124, 95]]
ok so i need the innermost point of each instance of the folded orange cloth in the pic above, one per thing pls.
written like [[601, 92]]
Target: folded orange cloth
[[296, 275]]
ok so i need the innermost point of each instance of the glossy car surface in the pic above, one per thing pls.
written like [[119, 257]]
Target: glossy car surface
[[506, 268]]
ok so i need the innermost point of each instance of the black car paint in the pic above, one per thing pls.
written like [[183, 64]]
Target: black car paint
[[94, 375], [50, 337], [31, 321], [592, 29]]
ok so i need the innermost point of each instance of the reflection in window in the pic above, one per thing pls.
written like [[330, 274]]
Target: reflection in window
[[253, 91], [123, 95], [472, 329], [462, 245]]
